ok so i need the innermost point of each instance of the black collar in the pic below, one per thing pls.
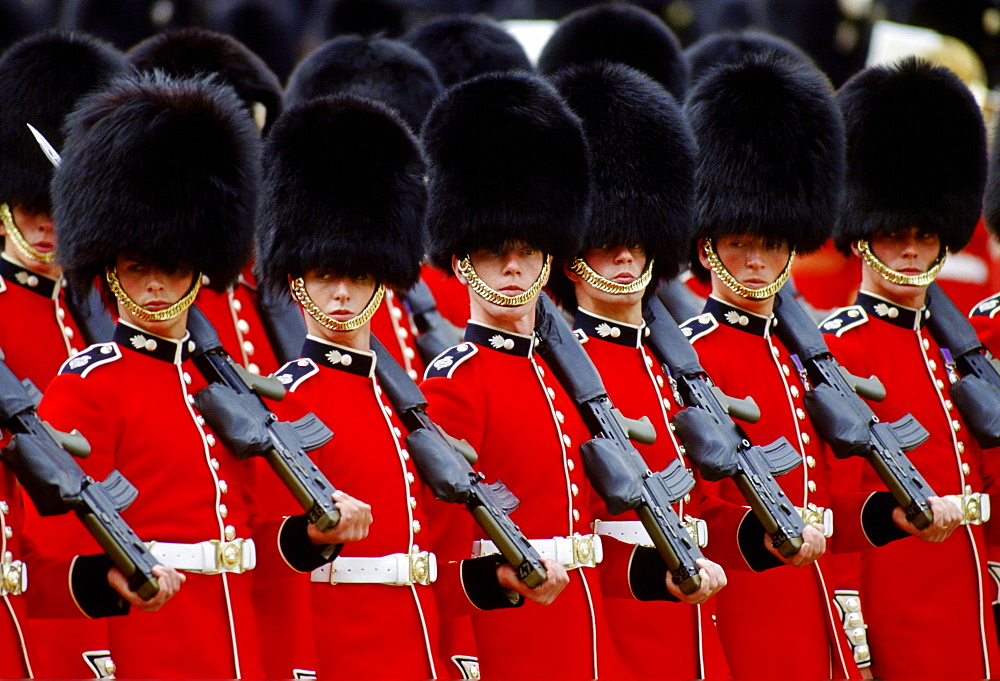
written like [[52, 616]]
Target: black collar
[[167, 349], [36, 283], [501, 341], [888, 311], [728, 315], [620, 333], [339, 357]]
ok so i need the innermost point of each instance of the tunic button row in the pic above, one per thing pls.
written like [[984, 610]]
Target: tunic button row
[[649, 361], [939, 383], [387, 410], [230, 533], [409, 477], [190, 399], [200, 420], [223, 510], [405, 454], [955, 425], [926, 343], [566, 440], [948, 405], [541, 370], [215, 464], [413, 502], [187, 378], [68, 332], [559, 417], [237, 305], [551, 393], [223, 486], [810, 462], [800, 414], [966, 469], [785, 370], [210, 439], [396, 431], [811, 485], [248, 347], [60, 313], [794, 390], [659, 381], [576, 515], [960, 447], [932, 364]]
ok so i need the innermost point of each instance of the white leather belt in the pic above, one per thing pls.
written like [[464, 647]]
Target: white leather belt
[[975, 507], [632, 531], [208, 557], [580, 550], [14, 575], [812, 513], [396, 569]]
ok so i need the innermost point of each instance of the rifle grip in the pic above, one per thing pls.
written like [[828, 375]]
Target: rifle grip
[[745, 410], [870, 388]]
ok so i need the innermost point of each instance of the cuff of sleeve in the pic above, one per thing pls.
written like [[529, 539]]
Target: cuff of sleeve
[[479, 580], [297, 549], [876, 519], [647, 575], [88, 582], [750, 537]]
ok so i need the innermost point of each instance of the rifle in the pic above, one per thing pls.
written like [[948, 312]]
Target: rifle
[[444, 465], [845, 421], [232, 406], [90, 315], [40, 457], [436, 334], [283, 324], [615, 469], [716, 443], [972, 370]]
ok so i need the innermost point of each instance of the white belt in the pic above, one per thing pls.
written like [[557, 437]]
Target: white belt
[[975, 507], [580, 550], [207, 557], [14, 575], [812, 513], [396, 569], [632, 531]]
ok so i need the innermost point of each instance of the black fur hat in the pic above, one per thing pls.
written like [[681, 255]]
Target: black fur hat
[[125, 22], [643, 171], [41, 78], [462, 47], [343, 191], [771, 153], [916, 154], [384, 70], [196, 51], [620, 33], [163, 169], [507, 161], [727, 47]]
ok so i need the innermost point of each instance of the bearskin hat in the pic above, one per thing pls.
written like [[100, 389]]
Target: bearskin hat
[[507, 161], [197, 51], [644, 156], [916, 154], [162, 169], [123, 23], [728, 47], [771, 153], [620, 33], [380, 69], [343, 191], [41, 78], [462, 47]]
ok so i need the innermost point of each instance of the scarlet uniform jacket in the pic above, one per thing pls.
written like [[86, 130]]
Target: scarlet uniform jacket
[[133, 399], [739, 352], [392, 322], [876, 336], [685, 635]]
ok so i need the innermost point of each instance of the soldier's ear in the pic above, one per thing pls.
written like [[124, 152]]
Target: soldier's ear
[[458, 274], [855, 250], [702, 258]]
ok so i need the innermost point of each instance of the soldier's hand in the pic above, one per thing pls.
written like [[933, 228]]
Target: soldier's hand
[[355, 517], [947, 516], [555, 581], [713, 579], [170, 581], [813, 546]]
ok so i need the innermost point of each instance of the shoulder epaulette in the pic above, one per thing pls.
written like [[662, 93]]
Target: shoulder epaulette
[[84, 362], [843, 320], [699, 326], [987, 308], [293, 373], [444, 365]]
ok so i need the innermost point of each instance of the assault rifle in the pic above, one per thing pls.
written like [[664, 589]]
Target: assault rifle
[[615, 469], [716, 443], [40, 457], [444, 465], [972, 370], [436, 334], [845, 421], [232, 406]]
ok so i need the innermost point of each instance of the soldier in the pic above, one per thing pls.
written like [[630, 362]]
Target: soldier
[[916, 170], [643, 190], [131, 151]]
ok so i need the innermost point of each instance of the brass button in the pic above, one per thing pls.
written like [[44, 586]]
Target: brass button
[[187, 378], [570, 464], [955, 425], [800, 414], [939, 383], [8, 531], [223, 511], [810, 461], [396, 431], [566, 440], [210, 439], [649, 360], [926, 343], [794, 391], [230, 533], [932, 364], [214, 463], [686, 499], [223, 486], [811, 485], [541, 370], [966, 469], [413, 502], [551, 393], [960, 447], [409, 477], [4, 507], [948, 405], [408, 353], [248, 347], [416, 526], [237, 305], [576, 515], [574, 490], [659, 381], [805, 438], [785, 370], [405, 453], [243, 326], [559, 417]]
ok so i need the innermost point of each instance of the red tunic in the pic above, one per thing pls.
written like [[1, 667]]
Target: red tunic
[[451, 296], [391, 324], [235, 316], [911, 587], [741, 355], [685, 635], [364, 630], [133, 400], [14, 661]]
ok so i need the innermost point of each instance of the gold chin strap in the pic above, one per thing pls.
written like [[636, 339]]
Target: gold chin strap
[[586, 273], [141, 313], [301, 295], [739, 289], [27, 250], [894, 277], [484, 291]]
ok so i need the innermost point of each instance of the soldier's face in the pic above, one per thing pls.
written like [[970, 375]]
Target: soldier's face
[[340, 297], [909, 251], [38, 231], [154, 290], [753, 261], [510, 271], [621, 264]]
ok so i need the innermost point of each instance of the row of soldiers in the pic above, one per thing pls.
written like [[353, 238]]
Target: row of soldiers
[[591, 185]]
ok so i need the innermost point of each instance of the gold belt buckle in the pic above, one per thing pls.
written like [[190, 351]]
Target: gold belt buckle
[[228, 555], [420, 568], [698, 530], [15, 576], [975, 507]]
